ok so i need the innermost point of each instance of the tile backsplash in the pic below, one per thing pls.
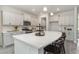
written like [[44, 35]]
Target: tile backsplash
[[10, 28]]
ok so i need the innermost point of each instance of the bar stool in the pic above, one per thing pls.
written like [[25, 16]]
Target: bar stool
[[56, 47]]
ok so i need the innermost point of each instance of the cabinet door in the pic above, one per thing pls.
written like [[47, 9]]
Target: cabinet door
[[13, 17], [68, 18], [70, 34], [10, 18], [18, 19], [7, 38], [0, 39], [27, 17], [54, 27], [7, 18]]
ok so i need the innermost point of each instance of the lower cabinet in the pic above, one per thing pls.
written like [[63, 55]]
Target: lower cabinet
[[0, 39], [70, 35], [8, 38], [69, 30]]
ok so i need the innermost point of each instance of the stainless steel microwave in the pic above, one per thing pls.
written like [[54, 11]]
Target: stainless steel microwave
[[26, 23]]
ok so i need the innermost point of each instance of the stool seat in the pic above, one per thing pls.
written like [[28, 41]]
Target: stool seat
[[52, 49]]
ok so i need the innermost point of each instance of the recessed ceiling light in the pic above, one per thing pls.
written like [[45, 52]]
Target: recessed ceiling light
[[45, 9], [51, 14], [33, 9], [58, 9]]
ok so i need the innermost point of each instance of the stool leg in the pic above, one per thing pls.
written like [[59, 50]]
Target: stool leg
[[44, 52], [63, 49]]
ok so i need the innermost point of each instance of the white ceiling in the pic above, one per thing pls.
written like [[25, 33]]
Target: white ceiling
[[39, 8]]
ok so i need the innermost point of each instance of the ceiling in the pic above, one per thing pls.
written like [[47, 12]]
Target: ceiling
[[39, 8]]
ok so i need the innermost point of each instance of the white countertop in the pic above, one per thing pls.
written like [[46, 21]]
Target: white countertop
[[11, 31], [38, 41]]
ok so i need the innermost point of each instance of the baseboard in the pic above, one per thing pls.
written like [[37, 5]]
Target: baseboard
[[8, 45]]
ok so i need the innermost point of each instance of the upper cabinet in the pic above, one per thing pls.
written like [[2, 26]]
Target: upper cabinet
[[68, 17], [33, 19], [27, 17], [10, 18], [64, 18]]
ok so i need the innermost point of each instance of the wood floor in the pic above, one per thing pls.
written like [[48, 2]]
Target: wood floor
[[7, 50], [70, 48]]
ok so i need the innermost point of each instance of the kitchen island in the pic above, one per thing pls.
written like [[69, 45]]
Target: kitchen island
[[31, 44]]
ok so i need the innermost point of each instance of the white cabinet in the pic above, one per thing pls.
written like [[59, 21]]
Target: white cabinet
[[10, 18], [6, 18], [0, 39], [8, 38], [64, 18], [61, 19], [18, 19], [33, 19], [54, 26], [27, 17], [55, 18], [68, 18], [70, 33]]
